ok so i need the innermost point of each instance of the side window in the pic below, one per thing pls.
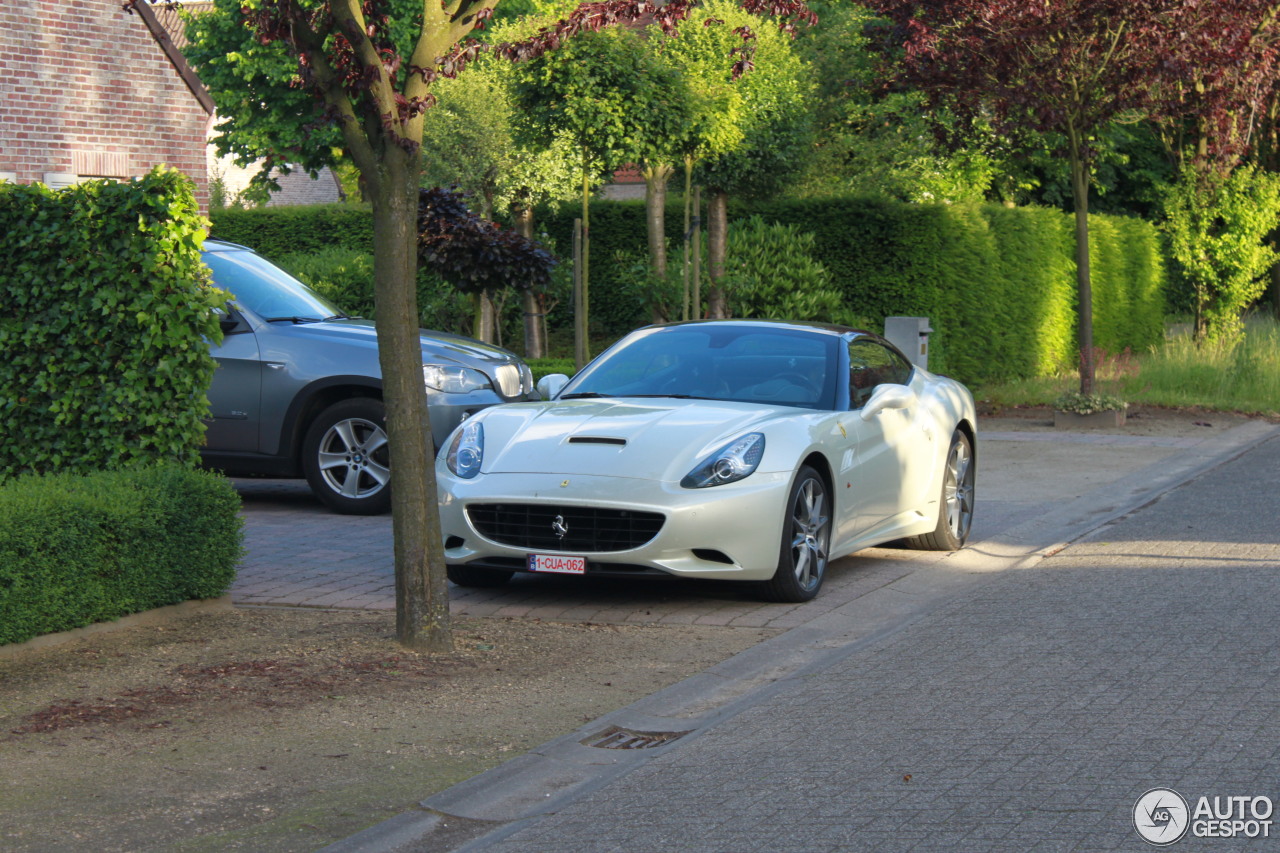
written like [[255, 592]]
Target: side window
[[872, 364]]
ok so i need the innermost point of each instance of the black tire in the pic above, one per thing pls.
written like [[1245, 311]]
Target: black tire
[[477, 577], [955, 506], [806, 539], [346, 459]]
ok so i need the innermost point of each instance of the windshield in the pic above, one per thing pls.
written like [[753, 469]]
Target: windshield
[[265, 289], [748, 364]]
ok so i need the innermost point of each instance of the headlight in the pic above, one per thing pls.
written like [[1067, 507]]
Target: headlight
[[453, 379], [466, 452], [737, 459]]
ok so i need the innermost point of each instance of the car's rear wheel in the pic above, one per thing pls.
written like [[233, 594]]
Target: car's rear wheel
[[346, 459], [806, 538], [955, 510], [473, 576]]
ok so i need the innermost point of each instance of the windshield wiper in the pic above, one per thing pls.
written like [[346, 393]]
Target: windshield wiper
[[584, 395], [293, 319], [332, 317], [675, 396]]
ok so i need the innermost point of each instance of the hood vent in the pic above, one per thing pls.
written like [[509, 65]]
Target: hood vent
[[597, 439]]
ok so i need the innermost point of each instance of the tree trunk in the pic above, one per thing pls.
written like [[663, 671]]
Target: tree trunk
[[717, 243], [582, 324], [483, 326], [422, 596], [534, 342], [688, 233], [655, 208], [1084, 284]]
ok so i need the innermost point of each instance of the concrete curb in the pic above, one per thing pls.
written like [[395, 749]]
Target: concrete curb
[[495, 804]]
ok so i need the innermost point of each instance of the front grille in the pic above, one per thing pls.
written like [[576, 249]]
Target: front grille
[[586, 529], [508, 378]]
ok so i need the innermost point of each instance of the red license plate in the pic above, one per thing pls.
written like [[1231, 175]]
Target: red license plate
[[559, 565]]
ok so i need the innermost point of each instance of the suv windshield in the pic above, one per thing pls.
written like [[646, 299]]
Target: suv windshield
[[265, 289]]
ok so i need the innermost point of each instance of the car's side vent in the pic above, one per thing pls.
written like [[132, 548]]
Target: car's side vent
[[597, 439]]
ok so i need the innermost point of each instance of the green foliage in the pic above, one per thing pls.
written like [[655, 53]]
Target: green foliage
[[997, 283], [771, 273], [277, 231], [875, 140], [1238, 375], [343, 276], [752, 133], [468, 141], [608, 93], [546, 366], [105, 315], [1089, 404], [264, 113], [1217, 229], [78, 549]]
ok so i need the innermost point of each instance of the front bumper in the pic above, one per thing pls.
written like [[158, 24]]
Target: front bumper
[[731, 532]]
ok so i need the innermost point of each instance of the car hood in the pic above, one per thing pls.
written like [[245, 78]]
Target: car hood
[[441, 346], [623, 438]]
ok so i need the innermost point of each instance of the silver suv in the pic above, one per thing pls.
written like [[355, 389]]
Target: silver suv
[[298, 389]]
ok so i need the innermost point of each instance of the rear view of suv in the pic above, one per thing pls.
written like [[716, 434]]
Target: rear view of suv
[[298, 389]]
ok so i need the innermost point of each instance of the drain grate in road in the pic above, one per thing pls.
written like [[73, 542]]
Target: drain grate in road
[[616, 737]]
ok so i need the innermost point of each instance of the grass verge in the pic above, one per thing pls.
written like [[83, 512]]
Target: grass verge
[[1225, 376]]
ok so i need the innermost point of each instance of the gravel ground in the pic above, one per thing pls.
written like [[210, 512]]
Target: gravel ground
[[289, 729]]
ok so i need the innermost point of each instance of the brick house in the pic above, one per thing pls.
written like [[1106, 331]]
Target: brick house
[[89, 89]]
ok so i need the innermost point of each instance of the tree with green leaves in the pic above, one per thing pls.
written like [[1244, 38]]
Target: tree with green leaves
[[1217, 235], [470, 134], [1068, 68], [374, 83], [752, 117], [619, 103]]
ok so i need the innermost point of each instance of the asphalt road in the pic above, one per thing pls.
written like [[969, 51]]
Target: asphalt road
[[1027, 712], [1109, 631]]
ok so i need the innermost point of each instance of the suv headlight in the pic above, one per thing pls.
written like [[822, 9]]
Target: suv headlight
[[466, 451], [453, 379], [737, 459]]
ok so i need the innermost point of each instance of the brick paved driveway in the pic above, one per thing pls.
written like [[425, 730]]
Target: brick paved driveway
[[301, 555]]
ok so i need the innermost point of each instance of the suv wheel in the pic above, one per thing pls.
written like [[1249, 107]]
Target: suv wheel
[[345, 457]]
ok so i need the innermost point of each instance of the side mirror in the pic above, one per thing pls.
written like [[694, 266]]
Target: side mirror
[[551, 385], [887, 397]]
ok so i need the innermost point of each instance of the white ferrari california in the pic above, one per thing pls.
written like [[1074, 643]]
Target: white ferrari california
[[733, 449]]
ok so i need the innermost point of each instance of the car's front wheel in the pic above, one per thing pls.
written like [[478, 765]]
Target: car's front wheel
[[346, 459], [806, 537]]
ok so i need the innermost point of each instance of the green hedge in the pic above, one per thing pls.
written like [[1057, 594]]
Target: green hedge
[[105, 312], [277, 231], [997, 283], [78, 549]]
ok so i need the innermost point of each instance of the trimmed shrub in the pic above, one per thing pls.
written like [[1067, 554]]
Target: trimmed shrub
[[78, 549], [105, 314], [343, 276], [772, 274], [997, 283], [277, 231]]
